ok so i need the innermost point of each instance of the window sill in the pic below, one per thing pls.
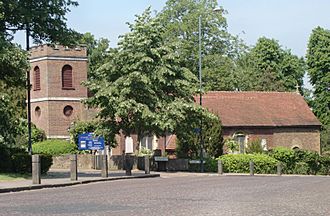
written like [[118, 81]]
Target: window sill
[[68, 88]]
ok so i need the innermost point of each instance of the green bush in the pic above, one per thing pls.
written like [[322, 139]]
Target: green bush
[[54, 147], [325, 165], [5, 162], [239, 163], [22, 163], [286, 157], [299, 161], [254, 146], [211, 165]]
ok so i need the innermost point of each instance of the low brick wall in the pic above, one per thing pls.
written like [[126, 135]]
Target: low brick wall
[[85, 161], [88, 161]]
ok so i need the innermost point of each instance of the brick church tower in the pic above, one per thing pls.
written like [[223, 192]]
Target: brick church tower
[[56, 94]]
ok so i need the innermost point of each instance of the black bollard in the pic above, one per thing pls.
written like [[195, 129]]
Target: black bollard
[[128, 164]]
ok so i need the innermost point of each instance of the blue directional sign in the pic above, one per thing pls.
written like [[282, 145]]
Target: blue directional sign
[[88, 141]]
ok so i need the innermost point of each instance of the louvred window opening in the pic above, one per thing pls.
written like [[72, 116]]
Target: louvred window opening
[[67, 77], [36, 78]]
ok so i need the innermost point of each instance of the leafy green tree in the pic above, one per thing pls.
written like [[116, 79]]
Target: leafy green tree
[[46, 22], [97, 52], [188, 138], [318, 61], [180, 18], [269, 67], [142, 88], [45, 19]]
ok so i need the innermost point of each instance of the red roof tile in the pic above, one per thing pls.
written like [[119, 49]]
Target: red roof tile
[[260, 108]]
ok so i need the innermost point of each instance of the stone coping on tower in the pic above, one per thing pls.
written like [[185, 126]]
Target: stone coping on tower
[[48, 50]]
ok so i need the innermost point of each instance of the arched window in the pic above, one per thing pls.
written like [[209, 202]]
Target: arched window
[[240, 138], [67, 77], [36, 78]]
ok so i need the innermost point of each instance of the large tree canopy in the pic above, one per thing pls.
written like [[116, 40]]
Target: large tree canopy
[[143, 88], [318, 61], [97, 50], [46, 19], [269, 67], [46, 22], [180, 18]]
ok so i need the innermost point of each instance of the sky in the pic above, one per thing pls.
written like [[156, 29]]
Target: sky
[[288, 21]]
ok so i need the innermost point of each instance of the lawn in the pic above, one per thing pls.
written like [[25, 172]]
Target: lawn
[[13, 176]]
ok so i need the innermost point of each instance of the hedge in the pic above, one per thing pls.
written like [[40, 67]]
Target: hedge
[[239, 163], [54, 147], [301, 161], [19, 161]]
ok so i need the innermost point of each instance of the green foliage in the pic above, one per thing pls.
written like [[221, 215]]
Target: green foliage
[[254, 146], [9, 121], [37, 134], [318, 61], [144, 151], [269, 67], [239, 163], [286, 157], [299, 161], [97, 52], [188, 138], [54, 147], [142, 88], [45, 19], [22, 163], [19, 161], [14, 64], [231, 145], [80, 127], [180, 18]]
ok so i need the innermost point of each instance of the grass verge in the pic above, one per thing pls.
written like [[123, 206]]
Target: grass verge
[[13, 176]]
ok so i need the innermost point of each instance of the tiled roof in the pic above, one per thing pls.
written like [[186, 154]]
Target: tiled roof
[[275, 109]]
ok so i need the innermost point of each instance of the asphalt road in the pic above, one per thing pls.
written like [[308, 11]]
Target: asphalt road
[[179, 194]]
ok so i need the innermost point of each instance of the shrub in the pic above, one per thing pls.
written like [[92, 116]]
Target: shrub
[[310, 158], [239, 163], [231, 145], [297, 162], [211, 165], [254, 147], [286, 157], [22, 163], [324, 165], [54, 147], [5, 162]]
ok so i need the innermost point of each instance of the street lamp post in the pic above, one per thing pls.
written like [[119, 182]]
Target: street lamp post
[[200, 90], [28, 93], [201, 86]]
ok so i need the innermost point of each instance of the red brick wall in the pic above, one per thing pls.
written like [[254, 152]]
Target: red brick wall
[[303, 138], [53, 97]]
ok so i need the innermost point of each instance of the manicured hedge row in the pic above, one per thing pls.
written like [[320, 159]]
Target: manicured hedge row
[[54, 147], [239, 163]]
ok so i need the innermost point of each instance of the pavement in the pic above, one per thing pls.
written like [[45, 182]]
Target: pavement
[[61, 178]]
